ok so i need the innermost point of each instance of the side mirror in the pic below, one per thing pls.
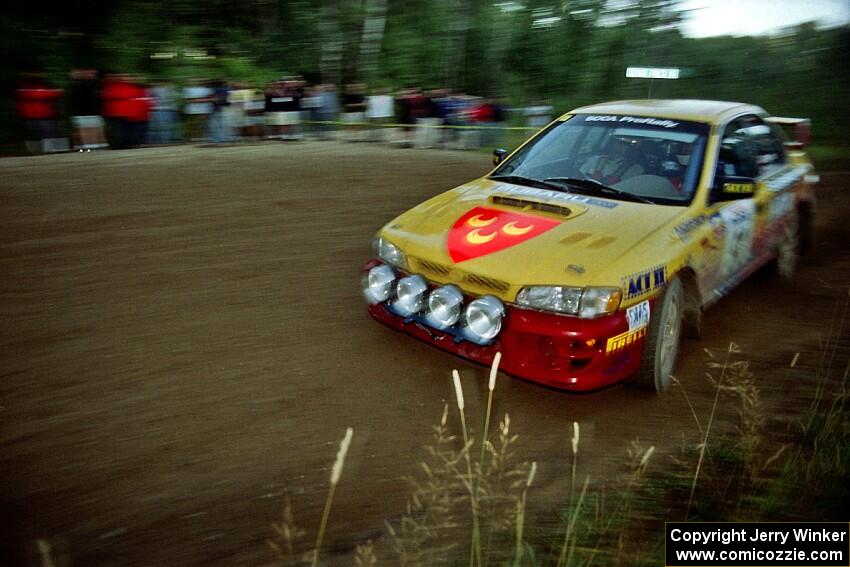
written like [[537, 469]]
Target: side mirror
[[732, 188], [499, 155]]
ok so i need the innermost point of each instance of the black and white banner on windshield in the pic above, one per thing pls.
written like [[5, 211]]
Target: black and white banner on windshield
[[757, 544]]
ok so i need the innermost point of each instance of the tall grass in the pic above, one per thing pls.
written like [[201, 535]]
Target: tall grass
[[286, 545], [474, 511], [733, 348]]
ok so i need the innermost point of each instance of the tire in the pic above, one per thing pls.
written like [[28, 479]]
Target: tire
[[789, 248], [662, 340]]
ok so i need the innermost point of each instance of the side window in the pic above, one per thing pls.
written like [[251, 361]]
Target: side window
[[766, 143], [738, 154]]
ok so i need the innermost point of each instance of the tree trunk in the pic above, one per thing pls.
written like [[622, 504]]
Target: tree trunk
[[331, 43], [372, 37]]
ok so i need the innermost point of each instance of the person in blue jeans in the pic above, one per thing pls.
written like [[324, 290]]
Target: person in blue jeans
[[219, 129], [163, 114]]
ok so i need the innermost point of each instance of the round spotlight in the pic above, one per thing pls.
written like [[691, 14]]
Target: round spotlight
[[444, 305], [378, 284], [483, 319], [410, 295]]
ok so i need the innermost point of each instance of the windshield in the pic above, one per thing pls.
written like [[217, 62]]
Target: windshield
[[655, 159]]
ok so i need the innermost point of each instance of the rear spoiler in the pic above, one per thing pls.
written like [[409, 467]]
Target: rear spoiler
[[800, 130]]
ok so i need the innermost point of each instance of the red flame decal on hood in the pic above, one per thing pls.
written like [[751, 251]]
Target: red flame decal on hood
[[483, 231]]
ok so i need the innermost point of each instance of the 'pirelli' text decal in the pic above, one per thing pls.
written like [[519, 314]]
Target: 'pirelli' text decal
[[623, 340]]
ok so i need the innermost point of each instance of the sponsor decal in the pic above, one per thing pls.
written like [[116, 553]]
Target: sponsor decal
[[718, 228], [555, 196], [483, 231], [784, 180], [787, 179], [621, 341], [645, 282], [638, 315], [739, 221], [781, 205], [631, 120], [739, 188], [684, 229]]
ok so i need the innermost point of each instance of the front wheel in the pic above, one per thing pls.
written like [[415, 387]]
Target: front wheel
[[662, 340]]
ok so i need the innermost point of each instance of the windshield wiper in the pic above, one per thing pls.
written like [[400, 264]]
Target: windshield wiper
[[529, 182], [592, 186]]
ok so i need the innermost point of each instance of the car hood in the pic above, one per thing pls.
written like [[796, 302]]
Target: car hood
[[575, 240]]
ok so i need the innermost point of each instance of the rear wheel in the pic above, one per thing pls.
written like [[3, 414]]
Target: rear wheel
[[662, 340]]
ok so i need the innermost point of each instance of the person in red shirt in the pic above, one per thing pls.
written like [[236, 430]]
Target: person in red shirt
[[137, 112], [114, 93], [38, 108]]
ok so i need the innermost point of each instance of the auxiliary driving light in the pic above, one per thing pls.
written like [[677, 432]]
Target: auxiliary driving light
[[483, 319], [378, 284], [444, 305], [410, 295]]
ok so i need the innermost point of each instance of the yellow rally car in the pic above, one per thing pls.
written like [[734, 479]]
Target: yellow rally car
[[587, 253]]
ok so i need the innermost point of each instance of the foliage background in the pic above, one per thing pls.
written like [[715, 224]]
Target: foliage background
[[567, 52]]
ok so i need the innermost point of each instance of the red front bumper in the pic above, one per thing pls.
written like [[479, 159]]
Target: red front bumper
[[563, 352]]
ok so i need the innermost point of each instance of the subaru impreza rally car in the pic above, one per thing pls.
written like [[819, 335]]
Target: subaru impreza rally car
[[587, 253]]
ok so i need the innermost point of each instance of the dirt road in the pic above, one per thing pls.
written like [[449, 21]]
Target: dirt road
[[184, 343]]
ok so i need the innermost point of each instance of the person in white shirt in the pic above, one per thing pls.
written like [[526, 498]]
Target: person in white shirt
[[613, 166], [379, 110], [197, 108]]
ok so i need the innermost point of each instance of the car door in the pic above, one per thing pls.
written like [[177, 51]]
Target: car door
[[774, 191], [750, 202], [735, 211]]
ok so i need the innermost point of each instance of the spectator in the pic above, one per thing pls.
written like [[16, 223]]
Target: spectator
[[197, 108], [116, 93], [219, 129], [500, 116], [354, 110], [254, 113], [137, 109], [237, 98], [439, 109], [84, 108], [282, 110], [38, 108], [427, 129], [299, 89], [163, 115], [328, 108], [310, 102], [379, 111], [459, 106], [490, 115], [412, 106]]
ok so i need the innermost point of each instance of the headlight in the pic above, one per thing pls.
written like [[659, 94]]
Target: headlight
[[551, 298], [596, 301], [585, 302], [389, 252], [444, 305], [410, 295], [483, 319], [378, 284]]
